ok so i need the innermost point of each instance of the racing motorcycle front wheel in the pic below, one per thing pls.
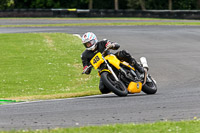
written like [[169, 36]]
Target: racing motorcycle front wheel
[[116, 87]]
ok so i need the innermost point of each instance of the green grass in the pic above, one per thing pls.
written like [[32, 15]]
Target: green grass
[[108, 24], [2, 101], [157, 127], [180, 22], [43, 66]]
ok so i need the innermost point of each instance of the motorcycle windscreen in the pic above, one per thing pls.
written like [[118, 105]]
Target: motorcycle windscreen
[[97, 60]]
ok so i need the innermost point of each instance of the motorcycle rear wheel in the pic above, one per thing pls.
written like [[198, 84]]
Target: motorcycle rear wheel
[[116, 87], [150, 87]]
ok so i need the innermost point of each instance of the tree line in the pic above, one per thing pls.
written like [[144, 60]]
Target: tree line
[[102, 4]]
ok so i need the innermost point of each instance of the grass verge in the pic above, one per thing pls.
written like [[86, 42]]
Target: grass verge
[[157, 127], [43, 66], [109, 24], [90, 18]]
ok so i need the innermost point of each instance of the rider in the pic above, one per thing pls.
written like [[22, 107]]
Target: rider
[[94, 46]]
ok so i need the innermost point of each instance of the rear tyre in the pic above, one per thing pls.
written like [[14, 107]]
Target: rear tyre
[[116, 87], [150, 87]]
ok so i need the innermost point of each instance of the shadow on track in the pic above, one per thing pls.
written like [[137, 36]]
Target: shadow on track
[[111, 95]]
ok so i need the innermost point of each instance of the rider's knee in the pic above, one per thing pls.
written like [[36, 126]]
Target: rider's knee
[[123, 55]]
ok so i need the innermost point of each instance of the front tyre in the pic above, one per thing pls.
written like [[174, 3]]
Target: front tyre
[[103, 89], [116, 87], [150, 87]]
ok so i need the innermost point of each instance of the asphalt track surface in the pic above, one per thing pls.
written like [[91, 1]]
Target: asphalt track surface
[[173, 54]]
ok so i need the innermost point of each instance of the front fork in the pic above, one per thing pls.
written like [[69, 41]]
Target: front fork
[[111, 70]]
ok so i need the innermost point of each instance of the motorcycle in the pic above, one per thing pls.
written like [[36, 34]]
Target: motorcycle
[[120, 77]]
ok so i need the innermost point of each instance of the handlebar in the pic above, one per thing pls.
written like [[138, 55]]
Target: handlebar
[[105, 51]]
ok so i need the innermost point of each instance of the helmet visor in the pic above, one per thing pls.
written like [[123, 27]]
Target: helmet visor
[[89, 44]]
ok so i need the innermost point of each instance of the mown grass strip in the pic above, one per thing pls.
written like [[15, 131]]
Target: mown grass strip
[[96, 18], [57, 96], [157, 127], [43, 66], [109, 24]]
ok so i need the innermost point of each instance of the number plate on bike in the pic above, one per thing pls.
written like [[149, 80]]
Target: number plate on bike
[[97, 60]]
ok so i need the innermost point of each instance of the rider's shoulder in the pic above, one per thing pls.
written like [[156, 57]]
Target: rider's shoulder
[[85, 53], [102, 41]]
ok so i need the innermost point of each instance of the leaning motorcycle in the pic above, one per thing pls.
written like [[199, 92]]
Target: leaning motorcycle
[[120, 77]]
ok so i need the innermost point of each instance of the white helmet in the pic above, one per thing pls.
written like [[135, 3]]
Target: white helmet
[[89, 40]]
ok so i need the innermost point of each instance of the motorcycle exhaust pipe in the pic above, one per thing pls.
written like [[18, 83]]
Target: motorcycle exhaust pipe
[[143, 61]]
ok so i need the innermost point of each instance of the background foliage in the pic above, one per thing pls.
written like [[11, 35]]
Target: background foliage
[[100, 4]]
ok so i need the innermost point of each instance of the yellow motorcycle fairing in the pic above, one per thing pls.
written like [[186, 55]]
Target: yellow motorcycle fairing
[[126, 64], [135, 87], [97, 60], [112, 59]]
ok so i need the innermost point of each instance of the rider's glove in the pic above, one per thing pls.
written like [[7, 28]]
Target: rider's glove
[[86, 70], [109, 45]]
